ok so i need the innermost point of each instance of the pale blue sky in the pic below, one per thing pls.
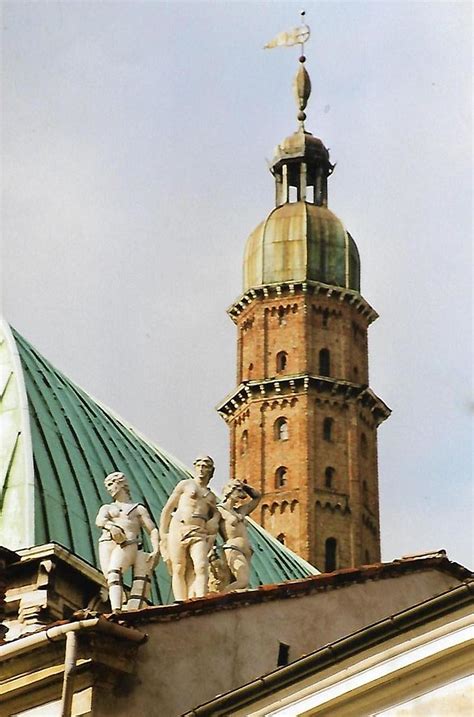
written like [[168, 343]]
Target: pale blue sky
[[134, 142]]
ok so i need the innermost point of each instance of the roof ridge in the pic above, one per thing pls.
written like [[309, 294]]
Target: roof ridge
[[300, 587]]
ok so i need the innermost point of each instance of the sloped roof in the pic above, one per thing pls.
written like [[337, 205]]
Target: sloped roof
[[350, 646], [74, 442]]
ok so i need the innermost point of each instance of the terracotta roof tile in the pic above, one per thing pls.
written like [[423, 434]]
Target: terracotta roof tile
[[293, 588]]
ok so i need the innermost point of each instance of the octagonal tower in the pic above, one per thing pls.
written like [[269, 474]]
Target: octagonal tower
[[303, 420]]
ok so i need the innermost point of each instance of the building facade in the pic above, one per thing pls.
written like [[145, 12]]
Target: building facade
[[352, 642], [303, 419]]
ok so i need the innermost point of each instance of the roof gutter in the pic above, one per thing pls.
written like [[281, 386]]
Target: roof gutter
[[431, 609], [69, 632], [59, 632]]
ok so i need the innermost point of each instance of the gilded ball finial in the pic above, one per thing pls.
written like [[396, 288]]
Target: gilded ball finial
[[302, 91]]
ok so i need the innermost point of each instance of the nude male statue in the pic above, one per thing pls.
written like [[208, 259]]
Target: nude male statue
[[120, 546], [188, 527]]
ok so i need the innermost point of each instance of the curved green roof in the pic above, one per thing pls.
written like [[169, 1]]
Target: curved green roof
[[300, 241], [53, 478]]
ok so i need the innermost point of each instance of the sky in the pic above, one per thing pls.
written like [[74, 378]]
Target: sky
[[135, 140]]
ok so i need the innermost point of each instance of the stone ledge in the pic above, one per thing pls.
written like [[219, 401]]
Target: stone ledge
[[286, 289], [300, 384]]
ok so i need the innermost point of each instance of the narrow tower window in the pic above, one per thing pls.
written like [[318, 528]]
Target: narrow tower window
[[325, 318], [244, 442], [363, 445], [328, 477], [327, 428], [367, 557], [280, 477], [281, 361], [365, 493], [324, 362], [330, 555], [281, 316], [281, 429]]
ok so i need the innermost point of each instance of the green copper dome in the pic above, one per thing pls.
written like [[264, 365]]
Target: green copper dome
[[58, 444], [301, 241]]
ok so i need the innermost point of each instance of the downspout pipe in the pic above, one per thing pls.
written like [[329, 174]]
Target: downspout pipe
[[70, 659], [68, 631]]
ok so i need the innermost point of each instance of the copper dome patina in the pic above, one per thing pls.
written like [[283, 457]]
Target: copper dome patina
[[301, 239], [298, 242], [301, 146]]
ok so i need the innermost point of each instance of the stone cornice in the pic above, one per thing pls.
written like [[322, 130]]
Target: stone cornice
[[285, 386], [287, 289], [54, 551]]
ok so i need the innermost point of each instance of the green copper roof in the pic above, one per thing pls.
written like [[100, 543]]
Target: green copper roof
[[300, 241], [74, 443]]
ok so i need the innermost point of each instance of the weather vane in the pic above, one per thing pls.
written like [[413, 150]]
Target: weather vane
[[302, 83], [297, 36]]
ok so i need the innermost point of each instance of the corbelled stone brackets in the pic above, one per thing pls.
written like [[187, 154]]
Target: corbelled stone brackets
[[47, 583]]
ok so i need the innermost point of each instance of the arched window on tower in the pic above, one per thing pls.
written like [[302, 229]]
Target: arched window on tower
[[281, 361], [281, 474], [329, 474], [281, 316], [281, 429], [363, 445], [330, 559], [365, 493], [367, 557], [324, 362], [327, 428], [281, 538], [244, 442], [325, 318]]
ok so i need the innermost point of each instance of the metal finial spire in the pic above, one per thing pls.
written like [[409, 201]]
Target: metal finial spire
[[301, 83], [305, 32]]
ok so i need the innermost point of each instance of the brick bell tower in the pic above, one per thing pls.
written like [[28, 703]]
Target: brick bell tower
[[303, 420]]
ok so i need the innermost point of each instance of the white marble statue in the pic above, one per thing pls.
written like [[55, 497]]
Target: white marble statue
[[120, 545], [238, 501], [188, 528]]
